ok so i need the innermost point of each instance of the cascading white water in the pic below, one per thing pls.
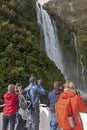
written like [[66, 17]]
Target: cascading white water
[[82, 73], [52, 47], [80, 66], [43, 1], [72, 70], [77, 54]]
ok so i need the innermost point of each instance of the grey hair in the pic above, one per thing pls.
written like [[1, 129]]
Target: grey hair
[[11, 88]]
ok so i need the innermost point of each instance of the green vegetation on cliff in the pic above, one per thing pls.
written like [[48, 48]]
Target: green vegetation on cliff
[[20, 54]]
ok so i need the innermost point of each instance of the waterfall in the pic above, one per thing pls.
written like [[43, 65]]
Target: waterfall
[[77, 55], [82, 73], [72, 70], [80, 66], [42, 1], [71, 6], [52, 46]]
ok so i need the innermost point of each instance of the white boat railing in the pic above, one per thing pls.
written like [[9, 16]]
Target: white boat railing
[[45, 118]]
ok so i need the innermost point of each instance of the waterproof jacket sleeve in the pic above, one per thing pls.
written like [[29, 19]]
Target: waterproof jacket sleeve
[[39, 89], [81, 104], [35, 89]]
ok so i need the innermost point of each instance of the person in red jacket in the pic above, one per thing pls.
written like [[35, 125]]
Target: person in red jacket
[[68, 108], [10, 108]]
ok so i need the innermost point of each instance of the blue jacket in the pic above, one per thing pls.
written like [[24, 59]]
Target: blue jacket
[[29, 86], [53, 96], [35, 91]]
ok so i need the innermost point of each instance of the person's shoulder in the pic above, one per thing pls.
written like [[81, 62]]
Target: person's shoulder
[[30, 84], [34, 87], [50, 92], [16, 96]]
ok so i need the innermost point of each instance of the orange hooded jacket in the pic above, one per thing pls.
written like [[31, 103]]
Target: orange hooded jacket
[[76, 105]]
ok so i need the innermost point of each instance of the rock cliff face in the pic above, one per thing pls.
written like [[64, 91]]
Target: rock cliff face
[[71, 17]]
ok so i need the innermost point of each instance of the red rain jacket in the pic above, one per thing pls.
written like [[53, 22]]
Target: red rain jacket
[[11, 104]]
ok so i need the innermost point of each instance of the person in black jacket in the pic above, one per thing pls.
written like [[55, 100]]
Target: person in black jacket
[[53, 97]]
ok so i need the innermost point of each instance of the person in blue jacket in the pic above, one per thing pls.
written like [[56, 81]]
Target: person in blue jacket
[[32, 81], [35, 92], [53, 97]]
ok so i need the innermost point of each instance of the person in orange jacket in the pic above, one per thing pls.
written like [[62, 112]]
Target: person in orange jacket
[[68, 108]]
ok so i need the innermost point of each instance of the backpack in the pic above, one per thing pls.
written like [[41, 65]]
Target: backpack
[[25, 100], [64, 113]]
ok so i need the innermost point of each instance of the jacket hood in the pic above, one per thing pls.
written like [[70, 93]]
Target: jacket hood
[[8, 95], [68, 94]]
